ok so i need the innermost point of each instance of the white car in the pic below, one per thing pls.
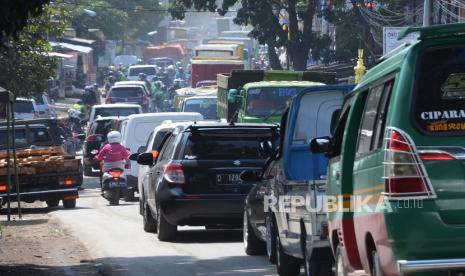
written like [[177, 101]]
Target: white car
[[135, 70], [135, 131], [114, 110], [25, 109]]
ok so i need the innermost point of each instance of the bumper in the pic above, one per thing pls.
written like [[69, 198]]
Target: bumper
[[405, 266], [205, 210], [41, 195]]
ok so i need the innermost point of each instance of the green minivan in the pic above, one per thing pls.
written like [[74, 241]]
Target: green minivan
[[397, 162]]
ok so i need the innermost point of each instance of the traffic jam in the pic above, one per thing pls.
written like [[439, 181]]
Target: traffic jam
[[319, 175]]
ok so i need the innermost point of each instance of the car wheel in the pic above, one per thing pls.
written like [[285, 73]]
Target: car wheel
[[52, 202], [339, 271], [166, 231], [319, 263], [270, 238], [88, 170], [150, 224], [69, 203], [252, 245], [376, 266], [285, 264]]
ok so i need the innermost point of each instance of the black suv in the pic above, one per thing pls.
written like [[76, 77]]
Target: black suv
[[195, 180]]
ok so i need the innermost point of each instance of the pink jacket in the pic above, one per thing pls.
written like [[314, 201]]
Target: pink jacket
[[112, 153]]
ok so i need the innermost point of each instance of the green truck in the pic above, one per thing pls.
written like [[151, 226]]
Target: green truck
[[256, 96]]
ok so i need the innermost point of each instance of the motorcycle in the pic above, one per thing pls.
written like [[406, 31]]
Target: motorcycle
[[113, 184]]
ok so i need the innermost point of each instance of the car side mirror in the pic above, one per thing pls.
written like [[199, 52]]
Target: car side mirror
[[320, 145], [232, 96], [141, 149], [133, 157], [250, 176], [266, 148], [145, 159], [81, 136]]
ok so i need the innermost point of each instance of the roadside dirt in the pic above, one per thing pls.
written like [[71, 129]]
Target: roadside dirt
[[39, 245]]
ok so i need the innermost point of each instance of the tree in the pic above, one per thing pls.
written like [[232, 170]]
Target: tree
[[118, 19], [25, 65], [264, 17], [14, 15]]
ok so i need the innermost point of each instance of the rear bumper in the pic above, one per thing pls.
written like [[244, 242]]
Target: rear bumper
[[405, 266], [205, 210], [42, 195]]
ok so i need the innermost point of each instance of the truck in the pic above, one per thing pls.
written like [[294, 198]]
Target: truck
[[213, 59], [237, 91], [45, 172], [187, 92], [175, 52]]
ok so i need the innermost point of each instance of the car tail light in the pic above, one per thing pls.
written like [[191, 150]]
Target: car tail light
[[109, 100], [174, 173], [324, 230], [127, 166], [115, 173], [36, 115], [436, 156], [91, 138], [404, 173]]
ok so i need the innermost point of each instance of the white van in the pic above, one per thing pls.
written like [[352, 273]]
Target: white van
[[136, 130], [114, 110]]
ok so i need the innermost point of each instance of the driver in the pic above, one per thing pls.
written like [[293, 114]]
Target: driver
[[113, 154], [261, 104]]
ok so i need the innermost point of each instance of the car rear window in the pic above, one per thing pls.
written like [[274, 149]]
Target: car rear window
[[149, 71], [116, 111], [439, 102], [23, 107], [129, 92], [219, 145], [103, 127], [206, 107]]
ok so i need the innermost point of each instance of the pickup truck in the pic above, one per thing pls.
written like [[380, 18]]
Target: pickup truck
[[44, 172]]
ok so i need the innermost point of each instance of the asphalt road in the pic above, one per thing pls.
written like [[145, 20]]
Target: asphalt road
[[115, 239]]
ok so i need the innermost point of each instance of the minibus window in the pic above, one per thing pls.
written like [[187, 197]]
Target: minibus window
[[381, 117], [368, 121], [439, 100]]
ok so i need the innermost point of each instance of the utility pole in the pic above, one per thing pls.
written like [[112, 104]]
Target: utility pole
[[427, 9]]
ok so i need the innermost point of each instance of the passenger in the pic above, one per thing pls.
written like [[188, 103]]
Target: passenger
[[114, 155], [260, 105]]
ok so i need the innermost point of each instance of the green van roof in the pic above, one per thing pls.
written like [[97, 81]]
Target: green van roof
[[281, 84], [436, 31]]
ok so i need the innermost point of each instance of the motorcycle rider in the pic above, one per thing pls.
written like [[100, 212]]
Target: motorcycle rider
[[143, 77], [180, 74], [114, 155]]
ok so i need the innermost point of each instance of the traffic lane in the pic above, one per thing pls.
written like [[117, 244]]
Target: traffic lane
[[115, 239]]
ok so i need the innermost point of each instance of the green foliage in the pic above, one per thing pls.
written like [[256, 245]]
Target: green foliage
[[116, 18], [25, 66], [14, 15]]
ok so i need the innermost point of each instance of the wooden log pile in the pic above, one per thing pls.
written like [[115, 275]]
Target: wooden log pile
[[40, 161]]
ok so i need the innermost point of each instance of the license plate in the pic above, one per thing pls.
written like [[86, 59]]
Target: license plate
[[228, 179]]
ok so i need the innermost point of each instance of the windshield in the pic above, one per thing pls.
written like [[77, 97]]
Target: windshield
[[149, 71], [126, 92], [103, 127], [206, 107], [26, 138], [218, 145], [440, 91], [23, 107], [267, 101], [116, 111]]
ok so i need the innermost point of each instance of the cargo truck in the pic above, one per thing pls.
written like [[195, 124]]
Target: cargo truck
[[243, 93]]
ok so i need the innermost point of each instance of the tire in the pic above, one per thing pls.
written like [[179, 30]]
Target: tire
[[114, 197], [339, 264], [166, 231], [52, 203], [285, 265], [150, 224], [270, 238], [320, 263], [141, 207], [252, 245], [129, 195], [69, 203], [88, 170], [376, 266]]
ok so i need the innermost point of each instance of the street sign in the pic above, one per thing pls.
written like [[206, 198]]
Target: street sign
[[390, 41]]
